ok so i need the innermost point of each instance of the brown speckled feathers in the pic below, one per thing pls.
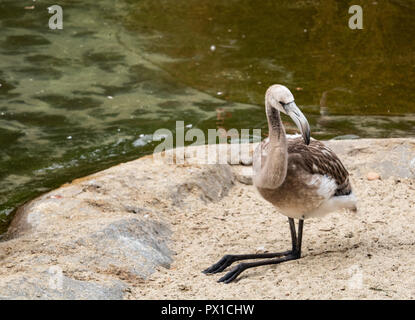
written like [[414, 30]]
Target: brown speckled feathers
[[316, 158]]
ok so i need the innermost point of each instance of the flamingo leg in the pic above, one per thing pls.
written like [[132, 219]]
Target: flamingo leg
[[279, 257]]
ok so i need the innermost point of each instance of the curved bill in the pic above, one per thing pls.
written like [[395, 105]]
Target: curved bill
[[300, 120]]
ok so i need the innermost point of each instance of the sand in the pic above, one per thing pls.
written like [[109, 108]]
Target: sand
[[90, 229], [367, 255]]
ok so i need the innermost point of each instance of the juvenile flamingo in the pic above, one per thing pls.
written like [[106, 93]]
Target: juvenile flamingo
[[300, 176]]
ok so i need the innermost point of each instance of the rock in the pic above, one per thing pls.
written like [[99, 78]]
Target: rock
[[45, 286], [211, 185], [346, 137], [240, 154], [109, 228], [371, 176], [246, 161], [387, 157], [134, 245], [260, 249], [243, 174]]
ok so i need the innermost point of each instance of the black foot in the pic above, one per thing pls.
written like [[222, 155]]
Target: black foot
[[221, 265], [227, 260], [231, 275], [235, 272]]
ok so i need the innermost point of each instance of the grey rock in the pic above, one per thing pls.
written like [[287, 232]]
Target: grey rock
[[48, 286], [243, 174], [139, 244], [388, 157], [346, 137], [211, 184]]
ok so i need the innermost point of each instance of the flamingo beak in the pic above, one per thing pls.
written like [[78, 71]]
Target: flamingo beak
[[299, 119]]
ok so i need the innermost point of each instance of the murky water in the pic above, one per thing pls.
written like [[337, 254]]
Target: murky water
[[78, 100]]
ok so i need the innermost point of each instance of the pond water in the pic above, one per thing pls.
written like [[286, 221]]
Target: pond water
[[81, 99]]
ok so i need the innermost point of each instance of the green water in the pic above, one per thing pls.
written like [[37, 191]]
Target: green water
[[81, 99]]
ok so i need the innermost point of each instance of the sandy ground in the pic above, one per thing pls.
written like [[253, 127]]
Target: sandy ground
[[366, 255], [91, 227]]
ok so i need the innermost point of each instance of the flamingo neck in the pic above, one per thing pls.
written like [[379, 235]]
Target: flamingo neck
[[276, 128], [274, 167]]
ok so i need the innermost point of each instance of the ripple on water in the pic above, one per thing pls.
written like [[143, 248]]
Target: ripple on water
[[20, 43], [69, 103]]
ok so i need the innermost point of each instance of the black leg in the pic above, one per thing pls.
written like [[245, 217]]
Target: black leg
[[293, 234], [300, 236], [227, 260]]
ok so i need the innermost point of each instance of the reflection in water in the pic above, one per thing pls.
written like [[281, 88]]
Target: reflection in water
[[77, 100]]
